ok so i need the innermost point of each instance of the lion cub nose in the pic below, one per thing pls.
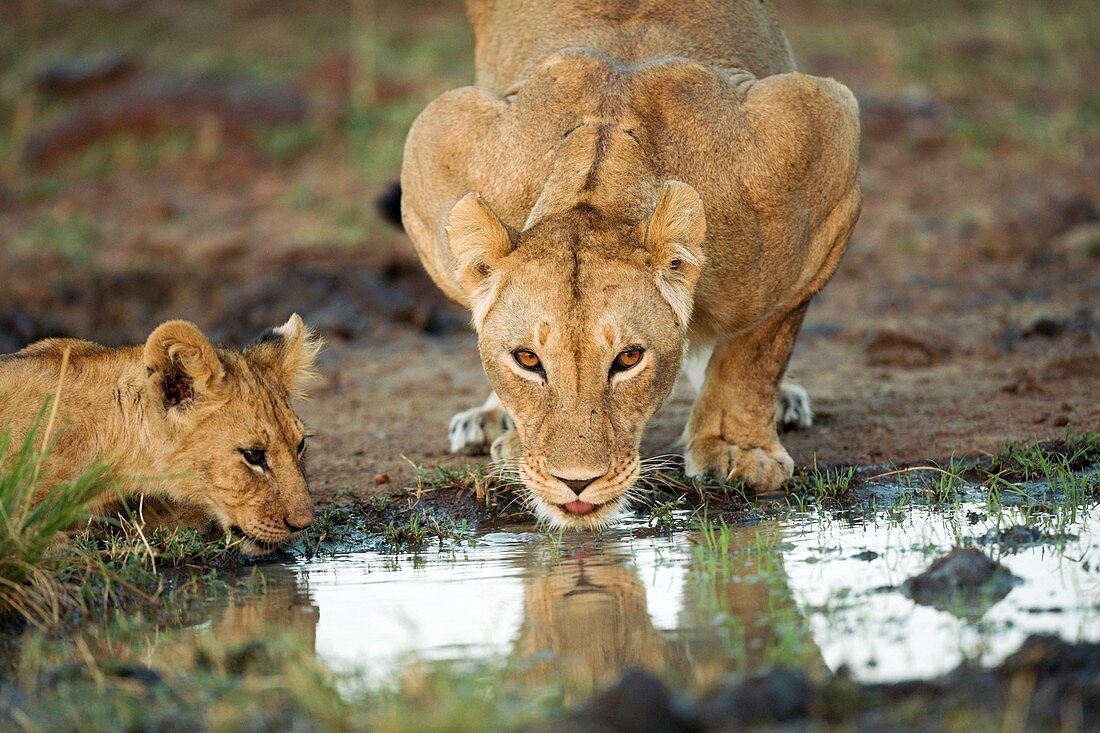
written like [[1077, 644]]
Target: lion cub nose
[[299, 521], [577, 485]]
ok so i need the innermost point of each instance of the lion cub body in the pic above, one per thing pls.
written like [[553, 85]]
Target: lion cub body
[[177, 419]]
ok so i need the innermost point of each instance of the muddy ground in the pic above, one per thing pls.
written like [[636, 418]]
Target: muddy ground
[[220, 163], [1058, 679]]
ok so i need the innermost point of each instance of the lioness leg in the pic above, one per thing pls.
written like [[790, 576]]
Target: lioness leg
[[731, 433], [472, 432]]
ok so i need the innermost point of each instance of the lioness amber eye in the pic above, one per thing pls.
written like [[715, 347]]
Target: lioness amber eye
[[255, 457], [627, 359], [527, 359]]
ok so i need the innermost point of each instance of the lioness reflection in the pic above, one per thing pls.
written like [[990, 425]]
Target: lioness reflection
[[587, 617]]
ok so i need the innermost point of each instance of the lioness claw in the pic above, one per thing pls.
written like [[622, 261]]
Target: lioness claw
[[762, 469]]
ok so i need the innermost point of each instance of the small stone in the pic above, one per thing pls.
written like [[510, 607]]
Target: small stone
[[78, 73], [1044, 325], [639, 703], [381, 478], [960, 572], [779, 696]]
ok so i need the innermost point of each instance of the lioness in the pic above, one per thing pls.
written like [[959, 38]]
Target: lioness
[[207, 429], [631, 187]]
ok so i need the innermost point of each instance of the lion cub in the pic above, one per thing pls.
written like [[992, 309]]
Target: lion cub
[[206, 429]]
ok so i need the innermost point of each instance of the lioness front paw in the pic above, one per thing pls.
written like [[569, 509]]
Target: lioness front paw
[[792, 407], [472, 432], [762, 469]]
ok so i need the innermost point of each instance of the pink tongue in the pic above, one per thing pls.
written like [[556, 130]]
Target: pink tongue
[[579, 507]]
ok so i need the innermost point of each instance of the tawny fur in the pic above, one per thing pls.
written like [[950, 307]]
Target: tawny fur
[[654, 170], [171, 417]]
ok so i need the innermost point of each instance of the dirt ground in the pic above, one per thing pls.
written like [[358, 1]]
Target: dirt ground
[[966, 310]]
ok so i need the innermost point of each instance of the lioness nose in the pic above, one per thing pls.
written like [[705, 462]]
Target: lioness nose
[[296, 523], [577, 485]]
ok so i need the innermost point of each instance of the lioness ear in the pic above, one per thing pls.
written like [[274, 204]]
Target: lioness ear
[[182, 362], [673, 237], [288, 353], [479, 241]]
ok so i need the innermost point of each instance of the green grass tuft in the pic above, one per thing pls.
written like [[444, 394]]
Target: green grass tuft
[[32, 527]]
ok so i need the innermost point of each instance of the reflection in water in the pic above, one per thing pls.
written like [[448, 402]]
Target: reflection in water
[[571, 613], [285, 603], [861, 620], [747, 606], [585, 619]]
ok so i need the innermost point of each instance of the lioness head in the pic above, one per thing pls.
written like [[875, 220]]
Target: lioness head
[[235, 448], [581, 328]]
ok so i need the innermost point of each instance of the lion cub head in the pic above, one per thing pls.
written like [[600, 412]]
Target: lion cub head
[[231, 445], [581, 329]]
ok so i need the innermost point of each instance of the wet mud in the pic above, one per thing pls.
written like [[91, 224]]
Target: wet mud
[[1060, 683]]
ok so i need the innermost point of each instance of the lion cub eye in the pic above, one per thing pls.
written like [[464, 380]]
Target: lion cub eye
[[529, 360], [627, 359], [255, 457]]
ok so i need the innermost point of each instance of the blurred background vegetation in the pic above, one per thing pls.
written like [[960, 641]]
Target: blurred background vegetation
[[155, 155]]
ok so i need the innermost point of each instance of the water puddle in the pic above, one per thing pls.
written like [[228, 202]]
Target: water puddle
[[812, 590]]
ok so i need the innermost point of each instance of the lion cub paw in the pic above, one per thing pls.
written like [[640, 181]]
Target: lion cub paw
[[506, 447], [472, 432], [762, 469], [792, 408]]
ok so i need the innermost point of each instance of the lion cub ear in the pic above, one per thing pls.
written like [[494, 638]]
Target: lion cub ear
[[673, 236], [479, 241], [183, 363], [288, 353]]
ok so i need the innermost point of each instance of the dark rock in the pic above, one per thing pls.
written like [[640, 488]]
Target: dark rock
[[1061, 682], [965, 575], [1044, 325], [1065, 677], [779, 696], [1049, 656], [639, 703], [80, 73]]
